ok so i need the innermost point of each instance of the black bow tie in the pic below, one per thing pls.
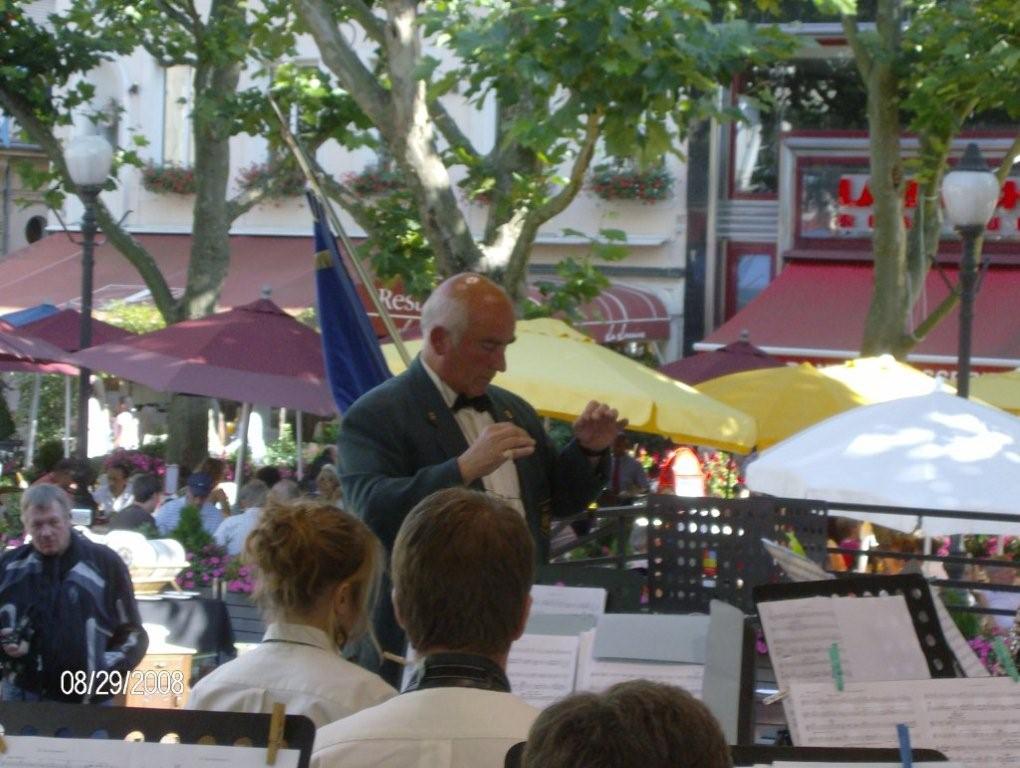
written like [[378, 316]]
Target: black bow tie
[[482, 403]]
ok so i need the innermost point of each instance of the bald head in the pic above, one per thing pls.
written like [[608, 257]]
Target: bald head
[[467, 323]]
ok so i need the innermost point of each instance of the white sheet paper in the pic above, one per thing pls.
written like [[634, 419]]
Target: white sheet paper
[[597, 675], [797, 567], [969, 661], [870, 631], [787, 764], [46, 752], [555, 599], [971, 720], [541, 668]]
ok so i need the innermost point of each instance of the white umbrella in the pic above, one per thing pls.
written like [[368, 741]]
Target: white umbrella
[[934, 451]]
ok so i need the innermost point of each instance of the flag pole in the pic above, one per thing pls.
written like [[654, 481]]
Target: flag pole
[[306, 167]]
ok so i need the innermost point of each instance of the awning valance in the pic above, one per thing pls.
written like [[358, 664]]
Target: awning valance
[[816, 311], [49, 271]]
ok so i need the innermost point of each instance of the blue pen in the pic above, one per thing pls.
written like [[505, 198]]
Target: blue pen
[[903, 733]]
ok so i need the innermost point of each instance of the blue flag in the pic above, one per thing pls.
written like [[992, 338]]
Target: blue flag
[[354, 361]]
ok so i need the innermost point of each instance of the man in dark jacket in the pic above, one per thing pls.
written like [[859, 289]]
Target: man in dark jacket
[[69, 624]]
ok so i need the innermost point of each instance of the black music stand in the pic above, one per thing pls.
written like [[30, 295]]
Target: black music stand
[[84, 721], [914, 589]]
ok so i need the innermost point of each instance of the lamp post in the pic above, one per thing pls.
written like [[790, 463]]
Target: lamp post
[[88, 161], [970, 193]]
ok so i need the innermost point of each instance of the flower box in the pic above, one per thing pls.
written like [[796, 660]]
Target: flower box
[[614, 183], [169, 179]]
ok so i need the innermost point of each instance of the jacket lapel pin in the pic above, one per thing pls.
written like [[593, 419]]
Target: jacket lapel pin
[[509, 416], [433, 419]]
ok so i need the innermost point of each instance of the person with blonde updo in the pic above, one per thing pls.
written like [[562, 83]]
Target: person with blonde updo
[[317, 574], [327, 486]]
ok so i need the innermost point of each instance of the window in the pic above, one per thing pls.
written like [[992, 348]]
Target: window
[[178, 100], [35, 229], [748, 272], [808, 94]]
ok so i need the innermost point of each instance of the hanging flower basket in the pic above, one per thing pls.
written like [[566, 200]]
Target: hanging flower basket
[[373, 181], [169, 179], [281, 180], [614, 183]]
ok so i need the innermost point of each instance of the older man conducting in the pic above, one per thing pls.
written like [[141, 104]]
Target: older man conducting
[[69, 625], [441, 424]]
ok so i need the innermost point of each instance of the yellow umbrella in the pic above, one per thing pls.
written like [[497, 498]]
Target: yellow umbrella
[[882, 378], [999, 389], [559, 370], [783, 400]]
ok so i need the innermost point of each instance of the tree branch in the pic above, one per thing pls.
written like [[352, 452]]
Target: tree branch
[[582, 161], [1010, 158], [42, 135], [369, 22], [449, 129], [189, 22], [343, 62], [860, 51]]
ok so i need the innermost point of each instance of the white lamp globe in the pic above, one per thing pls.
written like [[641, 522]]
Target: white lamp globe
[[89, 159], [970, 191]]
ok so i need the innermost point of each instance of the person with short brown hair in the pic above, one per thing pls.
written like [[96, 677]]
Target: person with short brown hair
[[637, 723], [317, 573], [463, 565]]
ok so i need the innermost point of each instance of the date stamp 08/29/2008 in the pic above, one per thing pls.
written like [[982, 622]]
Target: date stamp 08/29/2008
[[137, 682]]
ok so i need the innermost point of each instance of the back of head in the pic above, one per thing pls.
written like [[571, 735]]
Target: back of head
[[269, 475], [328, 483], [145, 486], [304, 549], [252, 494], [215, 468], [642, 723], [463, 565], [284, 491]]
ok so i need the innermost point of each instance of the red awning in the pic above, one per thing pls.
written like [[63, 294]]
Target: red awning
[[49, 271], [816, 311]]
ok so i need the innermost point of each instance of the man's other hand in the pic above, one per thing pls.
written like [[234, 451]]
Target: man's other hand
[[12, 649], [498, 443], [597, 427]]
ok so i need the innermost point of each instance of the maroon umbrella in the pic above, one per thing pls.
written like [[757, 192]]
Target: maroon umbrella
[[26, 353], [63, 329], [733, 358], [255, 353]]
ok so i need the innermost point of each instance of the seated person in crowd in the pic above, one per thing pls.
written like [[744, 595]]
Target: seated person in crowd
[[114, 495], [269, 475], [637, 723], [284, 491], [66, 605], [217, 470], [74, 476], [197, 491], [147, 492], [327, 486], [235, 529], [462, 565], [317, 572]]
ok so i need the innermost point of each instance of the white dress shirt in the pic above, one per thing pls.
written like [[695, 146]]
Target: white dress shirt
[[296, 665], [430, 728], [233, 531], [503, 481]]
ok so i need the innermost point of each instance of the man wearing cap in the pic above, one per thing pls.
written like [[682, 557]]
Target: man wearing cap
[[441, 424], [199, 487]]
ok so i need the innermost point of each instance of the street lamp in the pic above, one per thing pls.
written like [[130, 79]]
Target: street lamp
[[970, 193], [88, 161]]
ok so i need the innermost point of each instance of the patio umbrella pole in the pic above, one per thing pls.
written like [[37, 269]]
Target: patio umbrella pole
[[33, 419], [298, 435], [67, 416], [243, 446]]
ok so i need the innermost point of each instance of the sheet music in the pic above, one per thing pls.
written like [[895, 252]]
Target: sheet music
[[969, 661], [971, 720], [47, 752], [787, 764], [876, 638], [797, 567], [598, 675], [556, 599], [541, 668]]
